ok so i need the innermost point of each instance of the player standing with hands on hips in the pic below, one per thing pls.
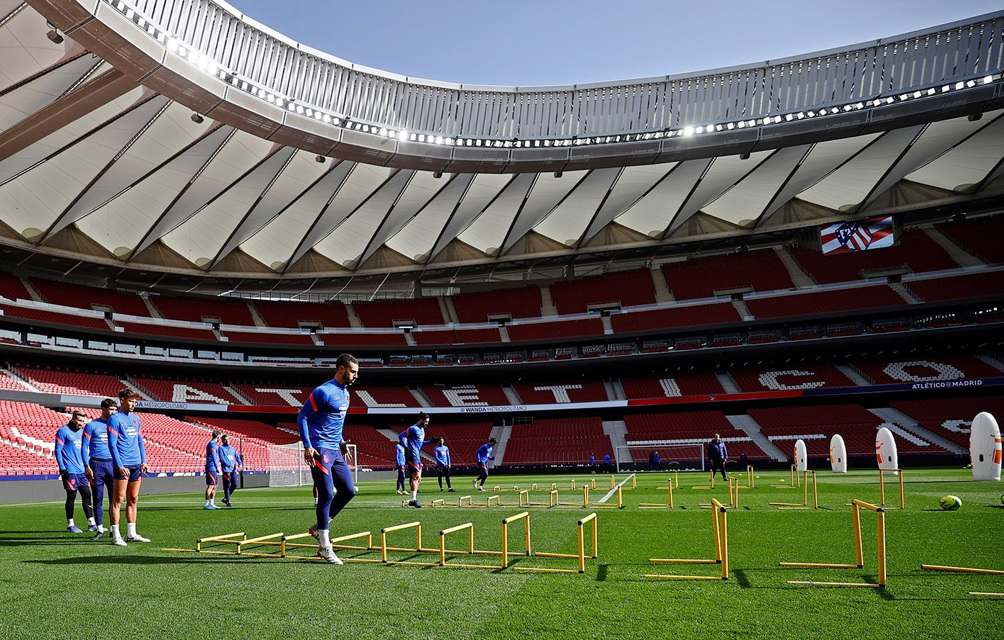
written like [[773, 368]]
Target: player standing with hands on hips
[[321, 421]]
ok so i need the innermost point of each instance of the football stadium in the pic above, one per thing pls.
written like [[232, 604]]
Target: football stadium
[[708, 355]]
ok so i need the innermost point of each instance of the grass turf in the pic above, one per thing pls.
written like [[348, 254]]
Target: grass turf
[[56, 584]]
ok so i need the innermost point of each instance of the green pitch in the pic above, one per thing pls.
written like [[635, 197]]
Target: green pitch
[[58, 585]]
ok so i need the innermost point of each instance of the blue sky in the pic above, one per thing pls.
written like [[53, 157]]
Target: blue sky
[[539, 42]]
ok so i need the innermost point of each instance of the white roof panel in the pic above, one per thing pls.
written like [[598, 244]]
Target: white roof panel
[[568, 221], [489, 229], [653, 212], [418, 235], [966, 164], [743, 203]]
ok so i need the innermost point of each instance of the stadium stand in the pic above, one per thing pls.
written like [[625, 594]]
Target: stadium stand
[[257, 337], [70, 382], [12, 288], [702, 277], [75, 295], [250, 437], [166, 331], [184, 390], [393, 312], [273, 394], [561, 392], [915, 252], [677, 317], [817, 423], [204, 309], [794, 376], [982, 237], [293, 314], [55, 318], [694, 428], [557, 441], [950, 418], [925, 369], [820, 302], [356, 339], [671, 385], [966, 287], [465, 395], [383, 396], [466, 336], [522, 302], [626, 288], [462, 438], [552, 330]]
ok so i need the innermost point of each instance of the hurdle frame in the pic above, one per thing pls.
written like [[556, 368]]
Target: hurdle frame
[[336, 543], [523, 516], [579, 557], [417, 526], [902, 488], [949, 569], [469, 526], [804, 483], [669, 499], [220, 539], [720, 535], [461, 499], [750, 477], [881, 556]]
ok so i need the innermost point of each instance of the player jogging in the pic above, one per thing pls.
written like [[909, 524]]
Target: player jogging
[[98, 464], [443, 463], [321, 420], [228, 464], [212, 469], [485, 453], [415, 437], [69, 459], [129, 459]]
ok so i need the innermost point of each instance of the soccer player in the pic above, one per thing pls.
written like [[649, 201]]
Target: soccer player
[[98, 464], [129, 459], [321, 420], [228, 461], [399, 461], [69, 459], [443, 463], [719, 456], [212, 469], [415, 437], [485, 453]]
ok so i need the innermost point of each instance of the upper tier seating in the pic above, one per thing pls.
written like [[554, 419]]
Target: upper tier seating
[[556, 330], [687, 384], [793, 376], [560, 391], [12, 288], [557, 441], [915, 252], [675, 318], [702, 277], [75, 295], [449, 336], [55, 318], [521, 302], [628, 288], [804, 304], [71, 382], [977, 285], [255, 337], [921, 368], [168, 331], [981, 237], [291, 314], [182, 390], [367, 395], [204, 309], [465, 395], [388, 313]]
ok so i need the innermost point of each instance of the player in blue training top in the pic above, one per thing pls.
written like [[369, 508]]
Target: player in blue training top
[[443, 463], [98, 464], [129, 459], [415, 438], [399, 462], [212, 469], [485, 453], [70, 460], [228, 462], [321, 420]]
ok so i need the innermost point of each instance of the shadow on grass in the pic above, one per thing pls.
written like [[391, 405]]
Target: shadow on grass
[[152, 560], [602, 572], [742, 579]]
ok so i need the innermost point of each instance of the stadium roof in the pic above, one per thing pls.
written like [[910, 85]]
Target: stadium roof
[[184, 137]]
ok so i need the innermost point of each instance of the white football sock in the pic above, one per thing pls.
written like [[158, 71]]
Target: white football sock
[[324, 536], [90, 521], [115, 531], [131, 528], [69, 522], [414, 495]]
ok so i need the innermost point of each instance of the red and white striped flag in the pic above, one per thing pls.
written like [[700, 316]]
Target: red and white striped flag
[[864, 235]]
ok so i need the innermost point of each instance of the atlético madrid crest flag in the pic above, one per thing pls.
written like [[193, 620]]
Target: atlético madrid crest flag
[[863, 235]]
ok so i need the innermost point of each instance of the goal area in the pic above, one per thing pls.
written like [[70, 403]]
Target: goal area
[[287, 468], [660, 456]]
